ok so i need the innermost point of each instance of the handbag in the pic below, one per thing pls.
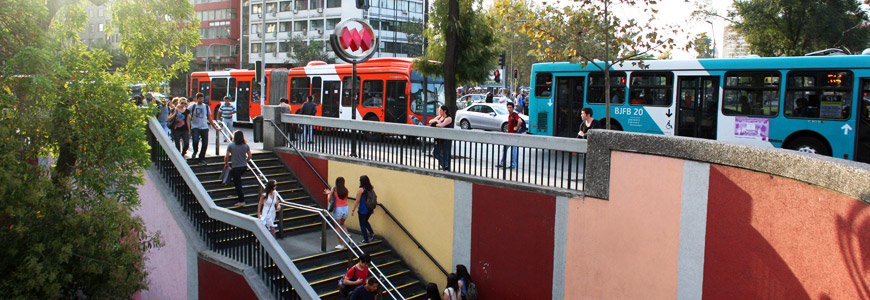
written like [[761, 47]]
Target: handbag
[[331, 206], [225, 175]]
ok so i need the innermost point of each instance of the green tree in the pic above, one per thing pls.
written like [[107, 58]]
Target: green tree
[[73, 152], [157, 37], [469, 56], [517, 44], [587, 32], [301, 52], [797, 27], [704, 46]]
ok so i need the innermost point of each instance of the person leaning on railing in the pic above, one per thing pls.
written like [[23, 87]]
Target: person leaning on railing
[[241, 155], [442, 146]]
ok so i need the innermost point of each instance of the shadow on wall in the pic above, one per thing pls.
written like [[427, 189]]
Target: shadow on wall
[[739, 263], [853, 234]]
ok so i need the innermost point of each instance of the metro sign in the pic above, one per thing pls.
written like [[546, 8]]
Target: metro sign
[[353, 40]]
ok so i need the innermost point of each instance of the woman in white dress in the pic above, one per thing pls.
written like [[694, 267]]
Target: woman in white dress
[[268, 206]]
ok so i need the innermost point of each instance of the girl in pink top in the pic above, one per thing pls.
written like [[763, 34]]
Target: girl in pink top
[[339, 193]]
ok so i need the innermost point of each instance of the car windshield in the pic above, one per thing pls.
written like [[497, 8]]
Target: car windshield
[[500, 109]]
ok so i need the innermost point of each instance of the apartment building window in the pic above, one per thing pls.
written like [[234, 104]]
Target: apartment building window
[[271, 7], [315, 4], [331, 23], [102, 27], [284, 47], [333, 3], [256, 9], [316, 25], [270, 47], [286, 26], [255, 47], [286, 5], [255, 28], [301, 4], [271, 27], [300, 26]]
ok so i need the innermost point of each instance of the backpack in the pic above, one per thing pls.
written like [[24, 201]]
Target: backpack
[[471, 290], [524, 127], [371, 200], [345, 290]]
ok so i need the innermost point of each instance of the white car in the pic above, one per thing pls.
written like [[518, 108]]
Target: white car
[[487, 116]]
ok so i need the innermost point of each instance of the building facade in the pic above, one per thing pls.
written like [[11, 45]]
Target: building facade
[[397, 23], [220, 34], [735, 44], [95, 34]]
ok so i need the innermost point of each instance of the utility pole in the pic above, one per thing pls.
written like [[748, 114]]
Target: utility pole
[[262, 69]]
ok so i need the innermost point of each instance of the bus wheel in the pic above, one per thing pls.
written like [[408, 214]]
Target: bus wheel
[[809, 145], [465, 125]]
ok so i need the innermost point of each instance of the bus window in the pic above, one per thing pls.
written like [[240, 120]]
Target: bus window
[[543, 85], [315, 89], [203, 88], [299, 89], [818, 95], [193, 87], [218, 89], [652, 88], [751, 94], [373, 93], [595, 93], [434, 97], [345, 90]]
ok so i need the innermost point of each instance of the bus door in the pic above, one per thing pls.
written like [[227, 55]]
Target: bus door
[[243, 100], [331, 96], [569, 102], [396, 106], [697, 106], [862, 153]]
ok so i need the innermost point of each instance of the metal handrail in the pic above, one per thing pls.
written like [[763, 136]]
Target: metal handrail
[[413, 239], [343, 235]]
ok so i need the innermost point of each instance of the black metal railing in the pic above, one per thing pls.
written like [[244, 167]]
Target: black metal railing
[[292, 145], [226, 239], [540, 161]]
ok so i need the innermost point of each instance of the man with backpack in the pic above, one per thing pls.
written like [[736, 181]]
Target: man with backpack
[[515, 125], [200, 121], [355, 276]]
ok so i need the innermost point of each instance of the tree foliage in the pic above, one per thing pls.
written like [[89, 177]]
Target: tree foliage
[[519, 45], [704, 46], [797, 27], [587, 31], [158, 38], [476, 51], [301, 53], [72, 154]]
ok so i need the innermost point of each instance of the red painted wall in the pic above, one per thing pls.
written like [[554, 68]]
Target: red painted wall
[[216, 282], [775, 238], [306, 176], [512, 243]]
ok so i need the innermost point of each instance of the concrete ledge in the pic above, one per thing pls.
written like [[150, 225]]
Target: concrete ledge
[[443, 174], [844, 176]]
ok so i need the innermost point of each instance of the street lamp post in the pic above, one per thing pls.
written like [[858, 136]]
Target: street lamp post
[[713, 33]]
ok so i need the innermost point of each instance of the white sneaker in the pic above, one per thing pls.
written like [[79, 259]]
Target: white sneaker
[[339, 246]]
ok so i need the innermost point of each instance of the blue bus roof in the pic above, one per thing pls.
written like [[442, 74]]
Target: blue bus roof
[[749, 63]]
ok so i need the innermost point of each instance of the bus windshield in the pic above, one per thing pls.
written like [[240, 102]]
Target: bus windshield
[[434, 97]]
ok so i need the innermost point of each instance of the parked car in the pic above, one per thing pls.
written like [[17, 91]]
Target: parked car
[[476, 98], [487, 116]]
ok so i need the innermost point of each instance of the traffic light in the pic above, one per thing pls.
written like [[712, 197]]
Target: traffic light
[[501, 60], [515, 73], [362, 4], [496, 76]]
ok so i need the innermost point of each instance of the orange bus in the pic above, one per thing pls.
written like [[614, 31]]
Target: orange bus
[[388, 90]]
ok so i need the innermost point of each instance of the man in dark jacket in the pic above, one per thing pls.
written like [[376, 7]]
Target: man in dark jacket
[[308, 109]]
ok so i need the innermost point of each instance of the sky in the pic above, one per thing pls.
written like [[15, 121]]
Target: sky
[[672, 12]]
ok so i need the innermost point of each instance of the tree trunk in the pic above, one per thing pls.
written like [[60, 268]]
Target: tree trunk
[[450, 57]]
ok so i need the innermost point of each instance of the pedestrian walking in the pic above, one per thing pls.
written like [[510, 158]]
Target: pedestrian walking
[[466, 285], [366, 191], [514, 125], [228, 113], [200, 119], [452, 290], [268, 206], [432, 292], [180, 127], [338, 193], [366, 292], [240, 153], [163, 111], [588, 122], [309, 108], [442, 146]]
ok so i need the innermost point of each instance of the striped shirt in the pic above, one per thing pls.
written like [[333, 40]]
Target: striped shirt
[[227, 110]]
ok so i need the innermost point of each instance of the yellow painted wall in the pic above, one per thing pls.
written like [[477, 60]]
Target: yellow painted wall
[[423, 204]]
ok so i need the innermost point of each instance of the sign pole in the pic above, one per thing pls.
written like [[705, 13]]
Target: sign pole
[[350, 36], [353, 104]]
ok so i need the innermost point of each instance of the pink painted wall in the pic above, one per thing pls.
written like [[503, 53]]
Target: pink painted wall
[[627, 247], [775, 238], [166, 266]]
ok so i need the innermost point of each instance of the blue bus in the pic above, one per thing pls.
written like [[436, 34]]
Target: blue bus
[[816, 104]]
